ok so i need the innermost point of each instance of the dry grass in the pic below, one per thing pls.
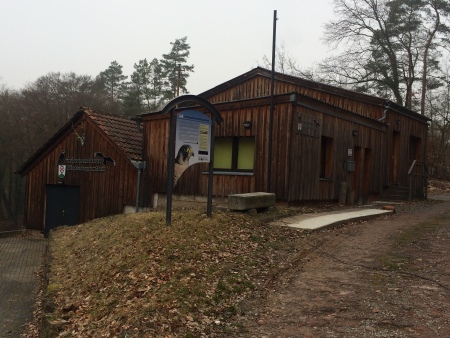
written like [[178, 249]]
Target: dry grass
[[438, 186], [133, 276]]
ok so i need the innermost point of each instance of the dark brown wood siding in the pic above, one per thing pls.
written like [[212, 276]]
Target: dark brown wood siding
[[381, 162], [356, 129], [305, 180], [259, 86], [295, 156], [102, 193], [405, 128]]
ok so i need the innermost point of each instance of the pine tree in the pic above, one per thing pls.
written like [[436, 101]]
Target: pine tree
[[175, 70], [146, 82], [113, 80], [132, 104]]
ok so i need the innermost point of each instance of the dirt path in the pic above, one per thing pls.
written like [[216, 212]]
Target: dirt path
[[388, 277]]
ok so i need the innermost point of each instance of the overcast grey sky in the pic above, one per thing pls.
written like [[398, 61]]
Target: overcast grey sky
[[227, 37]]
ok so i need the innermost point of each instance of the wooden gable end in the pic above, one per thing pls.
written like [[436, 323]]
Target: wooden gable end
[[257, 83], [102, 193]]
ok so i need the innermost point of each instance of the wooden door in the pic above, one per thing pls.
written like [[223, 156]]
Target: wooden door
[[366, 176], [62, 206], [395, 157], [357, 174]]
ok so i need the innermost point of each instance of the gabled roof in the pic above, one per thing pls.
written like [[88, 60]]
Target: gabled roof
[[358, 96], [121, 131]]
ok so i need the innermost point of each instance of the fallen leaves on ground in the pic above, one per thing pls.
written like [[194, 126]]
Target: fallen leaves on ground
[[438, 186], [134, 276]]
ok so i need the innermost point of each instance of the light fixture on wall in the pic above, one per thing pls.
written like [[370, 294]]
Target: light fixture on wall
[[355, 132], [398, 121], [247, 124]]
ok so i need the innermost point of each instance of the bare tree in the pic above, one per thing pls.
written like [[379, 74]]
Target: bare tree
[[438, 102], [386, 47], [12, 152], [287, 64]]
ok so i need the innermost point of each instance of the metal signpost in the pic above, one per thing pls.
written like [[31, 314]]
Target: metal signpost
[[200, 142]]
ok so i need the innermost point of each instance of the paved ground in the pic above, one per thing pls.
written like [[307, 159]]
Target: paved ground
[[20, 259], [332, 218]]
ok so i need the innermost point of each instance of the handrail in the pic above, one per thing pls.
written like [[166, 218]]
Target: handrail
[[410, 174], [412, 167]]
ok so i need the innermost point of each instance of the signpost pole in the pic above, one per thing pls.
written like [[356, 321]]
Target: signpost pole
[[170, 167], [216, 117], [211, 171]]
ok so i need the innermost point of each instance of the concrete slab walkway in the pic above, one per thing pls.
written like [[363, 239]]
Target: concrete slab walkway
[[20, 260], [326, 219]]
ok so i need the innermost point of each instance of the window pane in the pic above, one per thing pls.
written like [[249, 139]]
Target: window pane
[[246, 153], [414, 148], [223, 148], [330, 158], [326, 157], [323, 156]]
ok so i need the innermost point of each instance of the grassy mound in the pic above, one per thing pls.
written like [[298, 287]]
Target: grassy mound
[[133, 276]]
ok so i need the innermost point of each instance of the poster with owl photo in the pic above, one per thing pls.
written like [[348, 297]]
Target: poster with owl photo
[[192, 140]]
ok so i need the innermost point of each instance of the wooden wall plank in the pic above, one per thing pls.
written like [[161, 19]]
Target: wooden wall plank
[[296, 161], [102, 193]]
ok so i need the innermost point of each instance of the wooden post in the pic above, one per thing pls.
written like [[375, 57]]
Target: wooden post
[[343, 193], [350, 196]]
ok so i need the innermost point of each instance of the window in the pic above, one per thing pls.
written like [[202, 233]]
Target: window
[[234, 153], [326, 157], [414, 148]]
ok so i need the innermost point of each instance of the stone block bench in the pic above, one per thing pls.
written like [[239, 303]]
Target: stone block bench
[[253, 200]]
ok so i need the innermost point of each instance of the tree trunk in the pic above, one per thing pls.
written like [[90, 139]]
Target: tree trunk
[[425, 60]]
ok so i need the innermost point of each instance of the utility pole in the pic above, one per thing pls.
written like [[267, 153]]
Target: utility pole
[[272, 85]]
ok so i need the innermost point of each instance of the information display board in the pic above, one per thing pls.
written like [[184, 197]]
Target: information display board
[[193, 134]]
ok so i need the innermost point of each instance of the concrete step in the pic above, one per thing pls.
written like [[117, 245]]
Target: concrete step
[[328, 219], [396, 193]]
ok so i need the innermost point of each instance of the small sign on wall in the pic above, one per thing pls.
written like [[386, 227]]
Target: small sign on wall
[[350, 152], [308, 125], [61, 171]]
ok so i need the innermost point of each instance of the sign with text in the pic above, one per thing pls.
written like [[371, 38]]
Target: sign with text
[[194, 130], [192, 140], [85, 164], [61, 171], [308, 125]]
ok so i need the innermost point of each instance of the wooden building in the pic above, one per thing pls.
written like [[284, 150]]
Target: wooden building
[[102, 154], [321, 136]]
